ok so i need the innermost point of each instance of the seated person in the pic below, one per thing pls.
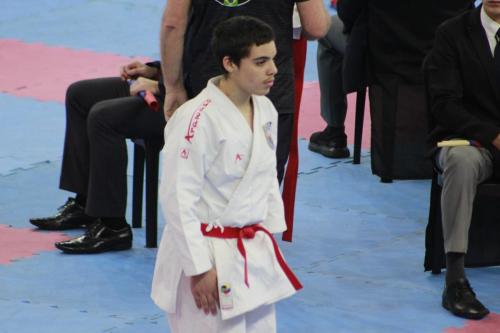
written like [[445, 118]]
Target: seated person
[[392, 44], [100, 115], [220, 195], [463, 71]]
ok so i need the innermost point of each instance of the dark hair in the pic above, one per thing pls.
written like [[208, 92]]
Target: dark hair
[[235, 37]]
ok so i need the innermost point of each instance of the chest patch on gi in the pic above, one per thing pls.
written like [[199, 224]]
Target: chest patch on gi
[[268, 134], [239, 157], [232, 3], [195, 119]]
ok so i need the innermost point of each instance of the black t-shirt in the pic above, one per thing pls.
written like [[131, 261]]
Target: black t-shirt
[[199, 63]]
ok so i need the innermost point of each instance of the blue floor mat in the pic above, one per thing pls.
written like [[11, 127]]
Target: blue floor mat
[[359, 256]]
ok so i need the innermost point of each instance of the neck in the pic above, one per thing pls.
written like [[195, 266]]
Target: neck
[[239, 97], [492, 16]]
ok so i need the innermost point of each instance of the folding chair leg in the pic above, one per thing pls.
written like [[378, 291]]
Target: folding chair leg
[[138, 182], [152, 163], [358, 127]]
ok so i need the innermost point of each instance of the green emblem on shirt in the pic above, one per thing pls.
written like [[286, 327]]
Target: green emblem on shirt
[[232, 3]]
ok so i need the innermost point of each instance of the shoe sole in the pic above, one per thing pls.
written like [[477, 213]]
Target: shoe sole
[[118, 247], [461, 315], [83, 223], [341, 153], [42, 227]]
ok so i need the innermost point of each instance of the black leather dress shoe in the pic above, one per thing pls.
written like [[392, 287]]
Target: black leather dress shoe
[[69, 216], [97, 239], [460, 299], [329, 143]]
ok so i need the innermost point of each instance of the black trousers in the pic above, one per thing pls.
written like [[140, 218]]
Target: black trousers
[[100, 115]]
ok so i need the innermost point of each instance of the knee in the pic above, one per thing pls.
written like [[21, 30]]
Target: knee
[[463, 162], [74, 91], [98, 116]]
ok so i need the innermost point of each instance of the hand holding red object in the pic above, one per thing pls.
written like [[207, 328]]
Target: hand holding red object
[[146, 89]]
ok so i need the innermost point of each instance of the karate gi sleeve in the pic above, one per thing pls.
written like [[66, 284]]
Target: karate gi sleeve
[[190, 148], [275, 219]]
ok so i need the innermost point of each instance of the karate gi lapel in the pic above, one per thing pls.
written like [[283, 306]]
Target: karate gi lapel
[[258, 143]]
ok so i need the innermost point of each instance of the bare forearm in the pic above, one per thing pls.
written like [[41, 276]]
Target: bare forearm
[[173, 29], [171, 56], [314, 18]]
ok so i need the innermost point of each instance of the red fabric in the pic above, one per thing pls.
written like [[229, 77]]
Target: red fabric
[[248, 232], [292, 169]]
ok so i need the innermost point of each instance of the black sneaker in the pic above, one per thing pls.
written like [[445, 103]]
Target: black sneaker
[[329, 143], [69, 216]]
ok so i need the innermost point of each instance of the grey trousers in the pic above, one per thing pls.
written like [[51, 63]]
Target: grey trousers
[[463, 169], [330, 56]]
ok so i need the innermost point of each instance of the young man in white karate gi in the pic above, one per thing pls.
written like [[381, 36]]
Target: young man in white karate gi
[[218, 267]]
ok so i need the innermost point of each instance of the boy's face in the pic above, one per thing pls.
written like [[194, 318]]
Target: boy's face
[[255, 73]]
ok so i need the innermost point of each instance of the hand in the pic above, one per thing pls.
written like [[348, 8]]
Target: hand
[[174, 97], [204, 290], [143, 84], [136, 69], [496, 142]]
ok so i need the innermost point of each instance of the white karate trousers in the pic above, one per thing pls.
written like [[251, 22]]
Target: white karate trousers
[[189, 319]]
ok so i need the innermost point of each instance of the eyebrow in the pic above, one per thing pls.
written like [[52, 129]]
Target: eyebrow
[[261, 58]]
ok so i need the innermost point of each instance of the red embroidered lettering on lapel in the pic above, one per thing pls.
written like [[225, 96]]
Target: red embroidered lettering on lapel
[[195, 118], [238, 158]]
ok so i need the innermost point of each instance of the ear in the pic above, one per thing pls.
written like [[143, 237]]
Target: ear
[[228, 64]]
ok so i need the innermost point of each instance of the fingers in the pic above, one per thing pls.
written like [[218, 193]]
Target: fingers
[[197, 301], [212, 305], [134, 88], [206, 303], [131, 70], [123, 73], [204, 291], [216, 296]]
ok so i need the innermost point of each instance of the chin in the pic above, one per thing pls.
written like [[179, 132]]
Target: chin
[[263, 92]]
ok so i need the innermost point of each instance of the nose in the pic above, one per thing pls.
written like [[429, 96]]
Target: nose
[[272, 68]]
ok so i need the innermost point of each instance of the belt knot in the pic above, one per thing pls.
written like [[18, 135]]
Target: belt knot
[[247, 232]]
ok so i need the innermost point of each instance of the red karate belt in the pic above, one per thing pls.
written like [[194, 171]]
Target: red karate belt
[[248, 232]]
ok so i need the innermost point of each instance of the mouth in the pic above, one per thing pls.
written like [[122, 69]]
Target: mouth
[[269, 83]]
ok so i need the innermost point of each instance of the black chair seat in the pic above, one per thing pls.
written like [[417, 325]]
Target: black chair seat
[[484, 233]]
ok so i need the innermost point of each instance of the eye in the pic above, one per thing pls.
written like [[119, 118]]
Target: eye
[[260, 62]]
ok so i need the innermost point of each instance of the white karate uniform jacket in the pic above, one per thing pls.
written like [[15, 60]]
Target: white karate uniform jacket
[[216, 171]]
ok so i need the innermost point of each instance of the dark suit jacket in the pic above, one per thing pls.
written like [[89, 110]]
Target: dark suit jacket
[[464, 92], [400, 32], [354, 66]]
